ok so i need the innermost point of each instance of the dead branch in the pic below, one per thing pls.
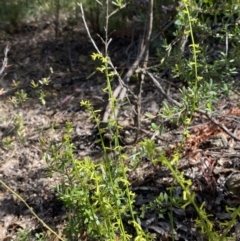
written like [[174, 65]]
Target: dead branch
[[121, 90], [98, 51], [160, 88]]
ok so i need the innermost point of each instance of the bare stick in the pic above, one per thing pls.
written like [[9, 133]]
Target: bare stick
[[115, 11], [121, 82], [87, 29], [120, 91], [97, 49], [158, 85], [5, 60], [222, 126], [146, 42]]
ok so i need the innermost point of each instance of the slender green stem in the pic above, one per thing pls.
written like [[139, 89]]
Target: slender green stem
[[31, 210]]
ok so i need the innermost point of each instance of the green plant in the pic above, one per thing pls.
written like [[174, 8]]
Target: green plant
[[20, 97], [13, 11], [200, 92], [163, 204], [39, 88], [18, 126], [7, 142], [97, 192], [26, 235], [22, 235]]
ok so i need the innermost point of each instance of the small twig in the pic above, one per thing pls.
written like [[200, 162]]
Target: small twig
[[5, 60], [31, 210], [118, 9], [120, 92], [87, 29], [164, 29], [99, 2], [145, 62], [157, 84], [222, 126], [122, 87], [121, 82]]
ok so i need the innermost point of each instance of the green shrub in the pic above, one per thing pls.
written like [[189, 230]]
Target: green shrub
[[97, 192]]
